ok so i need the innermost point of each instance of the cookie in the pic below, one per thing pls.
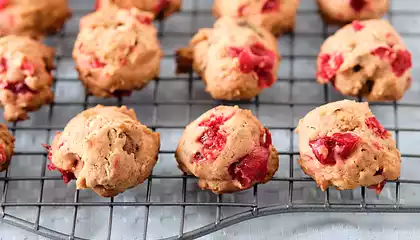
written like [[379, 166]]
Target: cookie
[[25, 76], [277, 16], [160, 8], [117, 51], [33, 18], [7, 144], [342, 144], [366, 59], [106, 149], [228, 150], [345, 11], [235, 58]]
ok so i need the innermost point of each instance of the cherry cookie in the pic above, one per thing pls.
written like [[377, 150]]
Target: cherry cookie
[[160, 8], [7, 144], [277, 16], [366, 59], [342, 144], [345, 11], [106, 149], [34, 18], [235, 58], [25, 76], [117, 51], [228, 150]]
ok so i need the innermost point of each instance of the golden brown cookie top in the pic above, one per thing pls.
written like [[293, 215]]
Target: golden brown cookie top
[[117, 50], [235, 58], [343, 144], [106, 149], [33, 18], [159, 8], [367, 59], [227, 144], [25, 76], [7, 143], [347, 11]]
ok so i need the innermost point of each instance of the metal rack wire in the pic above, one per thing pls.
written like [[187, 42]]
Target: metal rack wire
[[252, 209]]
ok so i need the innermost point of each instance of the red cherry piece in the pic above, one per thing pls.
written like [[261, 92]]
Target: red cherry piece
[[384, 53], [17, 88], [3, 65], [328, 148], [28, 67], [97, 64], [212, 138], [401, 63], [3, 157], [270, 6], [97, 4], [251, 168], [373, 124], [66, 175], [144, 19], [378, 187], [358, 5], [256, 58], [357, 25], [266, 140], [160, 6], [3, 3], [329, 65], [241, 10]]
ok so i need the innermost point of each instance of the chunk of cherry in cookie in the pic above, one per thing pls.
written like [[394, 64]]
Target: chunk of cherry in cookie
[[329, 63], [342, 144], [257, 59], [329, 149], [67, 176], [252, 167], [373, 124], [399, 60], [358, 5], [213, 139], [357, 25]]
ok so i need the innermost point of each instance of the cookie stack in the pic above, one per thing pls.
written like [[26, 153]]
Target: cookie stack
[[227, 148]]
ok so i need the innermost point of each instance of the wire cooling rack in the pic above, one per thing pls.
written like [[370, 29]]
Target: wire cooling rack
[[169, 205]]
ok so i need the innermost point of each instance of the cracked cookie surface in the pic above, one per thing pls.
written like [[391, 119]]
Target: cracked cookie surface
[[25, 76], [277, 16], [228, 150], [345, 11], [106, 149], [117, 51], [342, 144], [34, 18], [236, 59], [7, 145], [160, 8], [366, 59]]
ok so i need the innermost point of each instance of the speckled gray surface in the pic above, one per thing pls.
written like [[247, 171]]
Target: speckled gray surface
[[128, 222]]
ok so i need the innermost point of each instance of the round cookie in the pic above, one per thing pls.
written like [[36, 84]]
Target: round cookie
[[342, 144], [345, 11], [106, 149], [25, 76], [277, 16], [235, 58], [366, 59], [34, 18], [160, 8], [117, 51], [7, 144], [228, 150]]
